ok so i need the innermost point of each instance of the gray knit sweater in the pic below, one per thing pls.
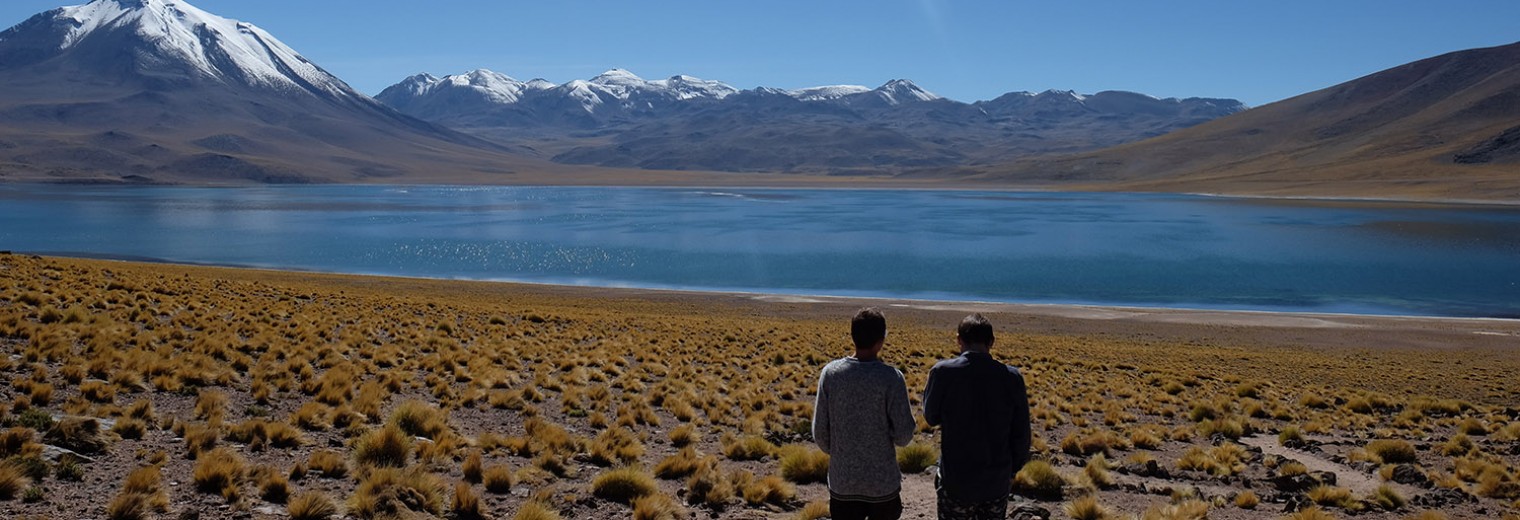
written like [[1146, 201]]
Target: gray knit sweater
[[861, 412]]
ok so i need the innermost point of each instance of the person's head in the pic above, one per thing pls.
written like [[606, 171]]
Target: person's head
[[868, 329], [974, 334]]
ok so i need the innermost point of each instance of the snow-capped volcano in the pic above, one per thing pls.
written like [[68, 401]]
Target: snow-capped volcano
[[163, 39], [161, 91]]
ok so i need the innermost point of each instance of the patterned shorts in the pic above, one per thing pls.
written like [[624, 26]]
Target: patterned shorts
[[951, 509]]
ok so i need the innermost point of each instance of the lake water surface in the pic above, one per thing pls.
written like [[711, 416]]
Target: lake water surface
[[1086, 248]]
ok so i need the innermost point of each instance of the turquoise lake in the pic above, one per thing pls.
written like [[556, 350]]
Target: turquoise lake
[[1079, 248]]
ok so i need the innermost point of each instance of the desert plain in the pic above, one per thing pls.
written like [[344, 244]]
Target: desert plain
[[140, 390]]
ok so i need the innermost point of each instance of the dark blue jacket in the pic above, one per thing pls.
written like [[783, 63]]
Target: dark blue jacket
[[982, 408]]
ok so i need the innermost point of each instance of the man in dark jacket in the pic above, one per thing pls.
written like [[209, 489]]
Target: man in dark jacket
[[982, 408]]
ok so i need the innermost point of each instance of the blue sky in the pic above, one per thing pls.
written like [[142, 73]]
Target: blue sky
[[967, 50]]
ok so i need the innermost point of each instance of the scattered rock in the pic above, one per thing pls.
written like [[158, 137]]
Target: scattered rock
[[1442, 498], [1149, 469], [1028, 511], [53, 453], [81, 434], [1410, 474], [1295, 503], [1294, 483]]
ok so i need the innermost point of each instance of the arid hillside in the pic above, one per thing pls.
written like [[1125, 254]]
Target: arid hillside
[[1444, 127]]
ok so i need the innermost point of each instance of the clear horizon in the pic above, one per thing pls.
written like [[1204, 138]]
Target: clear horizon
[[964, 51]]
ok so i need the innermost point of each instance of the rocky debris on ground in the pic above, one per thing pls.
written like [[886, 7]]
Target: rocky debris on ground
[[1410, 474], [1440, 498], [1028, 511]]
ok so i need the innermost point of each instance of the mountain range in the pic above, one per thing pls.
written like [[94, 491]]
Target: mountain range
[[686, 123], [1446, 127], [158, 91]]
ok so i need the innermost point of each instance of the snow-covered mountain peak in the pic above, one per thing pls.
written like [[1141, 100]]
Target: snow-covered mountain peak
[[420, 78], [1071, 94], [175, 32], [902, 91], [417, 84], [617, 77], [827, 92], [489, 76], [689, 87]]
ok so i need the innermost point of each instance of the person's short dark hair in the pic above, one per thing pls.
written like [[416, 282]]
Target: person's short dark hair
[[868, 328], [975, 331]]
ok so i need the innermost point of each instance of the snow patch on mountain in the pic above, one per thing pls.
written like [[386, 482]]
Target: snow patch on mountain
[[827, 92], [214, 46], [899, 91]]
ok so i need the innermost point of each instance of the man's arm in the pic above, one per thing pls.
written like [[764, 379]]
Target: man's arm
[[821, 414], [931, 401], [1019, 436], [900, 413]]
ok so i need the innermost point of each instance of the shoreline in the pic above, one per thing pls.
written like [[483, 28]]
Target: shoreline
[[842, 184], [1085, 310], [1251, 326]]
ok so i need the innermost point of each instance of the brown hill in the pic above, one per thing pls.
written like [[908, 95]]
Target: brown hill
[[1443, 127]]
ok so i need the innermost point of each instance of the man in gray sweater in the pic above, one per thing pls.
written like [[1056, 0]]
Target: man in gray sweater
[[861, 413]]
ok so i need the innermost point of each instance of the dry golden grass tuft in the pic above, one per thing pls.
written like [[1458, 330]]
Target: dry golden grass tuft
[[1388, 451], [219, 472], [684, 435], [311, 505], [804, 464], [1037, 479], [709, 487], [813, 511], [536, 510], [385, 447], [498, 479], [1331, 496], [679, 465], [13, 480], [1087, 508], [657, 507], [916, 457], [623, 484], [748, 447], [1428, 515], [1247, 500], [330, 464], [465, 503], [1388, 498], [420, 419], [384, 492], [1185, 509], [1097, 472], [473, 467], [1310, 513], [274, 486]]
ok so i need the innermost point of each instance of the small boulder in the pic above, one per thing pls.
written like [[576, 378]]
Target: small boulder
[[1410, 474], [1028, 511], [1294, 483]]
